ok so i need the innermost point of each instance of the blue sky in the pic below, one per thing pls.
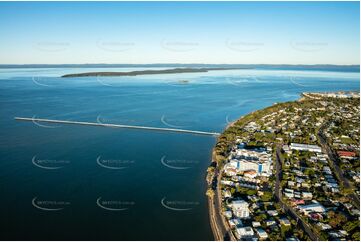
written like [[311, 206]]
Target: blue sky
[[180, 32]]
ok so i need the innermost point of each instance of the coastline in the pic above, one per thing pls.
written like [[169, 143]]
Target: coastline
[[220, 228], [217, 226]]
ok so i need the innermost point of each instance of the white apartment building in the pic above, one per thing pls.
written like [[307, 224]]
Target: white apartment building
[[240, 208]]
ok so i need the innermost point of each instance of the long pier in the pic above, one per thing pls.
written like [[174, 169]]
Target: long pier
[[117, 126]]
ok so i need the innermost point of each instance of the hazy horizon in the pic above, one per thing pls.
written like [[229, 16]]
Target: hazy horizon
[[174, 63], [274, 33]]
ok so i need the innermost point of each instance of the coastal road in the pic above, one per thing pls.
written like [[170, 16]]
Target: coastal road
[[220, 219], [288, 209], [217, 231], [334, 160]]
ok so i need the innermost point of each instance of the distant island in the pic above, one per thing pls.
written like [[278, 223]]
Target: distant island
[[151, 72]]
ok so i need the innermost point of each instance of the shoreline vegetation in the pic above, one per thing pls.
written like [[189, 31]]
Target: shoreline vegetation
[[151, 72], [224, 146]]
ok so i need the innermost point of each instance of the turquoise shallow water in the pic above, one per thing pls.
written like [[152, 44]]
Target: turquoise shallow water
[[77, 182]]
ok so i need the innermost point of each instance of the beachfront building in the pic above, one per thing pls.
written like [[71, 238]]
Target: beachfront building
[[235, 222], [244, 233], [240, 208], [250, 160], [246, 166]]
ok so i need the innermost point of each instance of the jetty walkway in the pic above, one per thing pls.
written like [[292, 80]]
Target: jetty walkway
[[117, 126]]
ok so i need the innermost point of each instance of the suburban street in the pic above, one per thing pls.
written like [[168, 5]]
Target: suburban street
[[339, 173], [286, 208]]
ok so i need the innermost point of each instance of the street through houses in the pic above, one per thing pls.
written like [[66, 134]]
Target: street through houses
[[278, 194], [334, 161]]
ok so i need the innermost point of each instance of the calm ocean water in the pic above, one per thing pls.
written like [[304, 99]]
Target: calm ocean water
[[76, 182]]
